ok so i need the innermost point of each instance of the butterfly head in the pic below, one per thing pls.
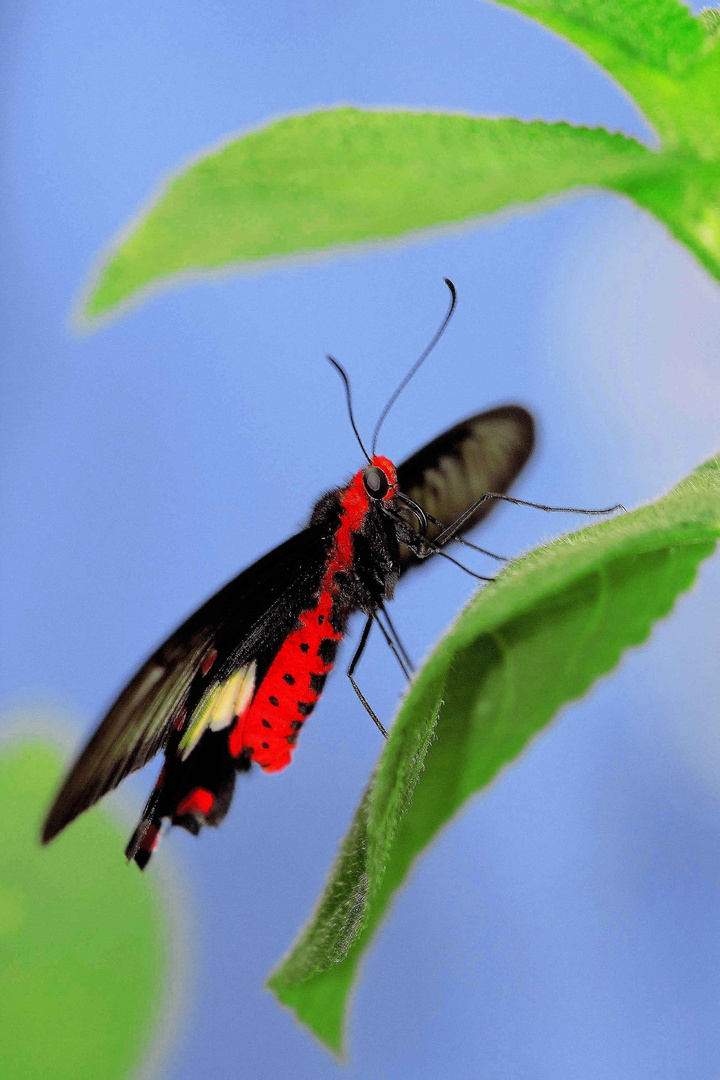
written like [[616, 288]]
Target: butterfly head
[[380, 479], [380, 484]]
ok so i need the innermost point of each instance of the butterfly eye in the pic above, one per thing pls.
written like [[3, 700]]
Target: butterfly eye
[[376, 482]]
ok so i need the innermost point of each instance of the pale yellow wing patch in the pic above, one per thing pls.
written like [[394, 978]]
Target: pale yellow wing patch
[[219, 707]]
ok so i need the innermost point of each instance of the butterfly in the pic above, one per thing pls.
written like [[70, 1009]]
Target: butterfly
[[235, 683]]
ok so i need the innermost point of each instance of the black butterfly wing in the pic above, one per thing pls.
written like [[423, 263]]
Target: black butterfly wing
[[247, 619], [483, 453]]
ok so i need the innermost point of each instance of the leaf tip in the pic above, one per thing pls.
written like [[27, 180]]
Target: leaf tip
[[322, 1014]]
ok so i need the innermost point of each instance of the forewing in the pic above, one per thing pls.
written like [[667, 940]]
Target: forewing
[[246, 618], [483, 453]]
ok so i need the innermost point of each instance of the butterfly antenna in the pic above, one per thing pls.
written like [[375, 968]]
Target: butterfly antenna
[[348, 397], [418, 363]]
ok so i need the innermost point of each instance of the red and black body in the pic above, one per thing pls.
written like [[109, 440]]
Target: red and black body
[[236, 682]]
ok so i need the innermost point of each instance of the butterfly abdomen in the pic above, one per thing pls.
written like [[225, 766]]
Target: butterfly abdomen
[[267, 733], [292, 686]]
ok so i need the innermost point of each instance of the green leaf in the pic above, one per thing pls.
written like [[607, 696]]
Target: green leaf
[[82, 938], [667, 59], [538, 638], [342, 176], [659, 33], [687, 199]]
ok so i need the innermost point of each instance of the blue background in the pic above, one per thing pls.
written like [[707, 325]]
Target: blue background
[[566, 926]]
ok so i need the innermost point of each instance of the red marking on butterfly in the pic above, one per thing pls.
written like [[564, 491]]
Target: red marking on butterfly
[[198, 801], [208, 662], [286, 696]]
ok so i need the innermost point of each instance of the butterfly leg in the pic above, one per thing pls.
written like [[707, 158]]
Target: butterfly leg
[[466, 543], [421, 546], [427, 547], [450, 531], [396, 638], [392, 646], [351, 669]]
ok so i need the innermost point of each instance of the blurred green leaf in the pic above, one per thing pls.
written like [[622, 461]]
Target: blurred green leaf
[[343, 176], [83, 941], [553, 622]]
